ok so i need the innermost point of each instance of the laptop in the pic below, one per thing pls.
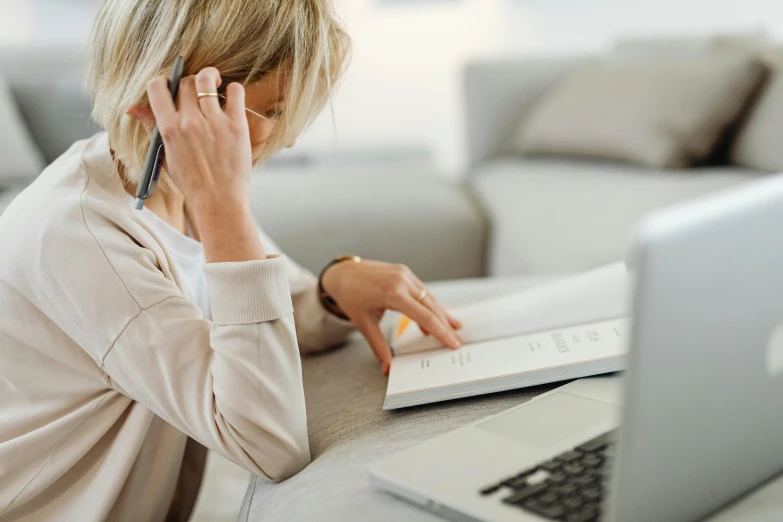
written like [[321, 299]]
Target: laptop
[[695, 421]]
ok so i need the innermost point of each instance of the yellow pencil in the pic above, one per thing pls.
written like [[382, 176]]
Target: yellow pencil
[[402, 326]]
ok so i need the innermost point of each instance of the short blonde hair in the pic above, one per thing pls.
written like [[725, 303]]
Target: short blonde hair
[[134, 41]]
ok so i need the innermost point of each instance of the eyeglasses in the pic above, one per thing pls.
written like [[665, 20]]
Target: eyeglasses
[[254, 113]]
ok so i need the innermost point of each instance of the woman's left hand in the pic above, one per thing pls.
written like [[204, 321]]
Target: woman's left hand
[[365, 290]]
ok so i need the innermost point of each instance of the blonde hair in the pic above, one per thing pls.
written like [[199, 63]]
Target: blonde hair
[[134, 41]]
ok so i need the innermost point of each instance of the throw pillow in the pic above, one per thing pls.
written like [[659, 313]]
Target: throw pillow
[[21, 159], [656, 113], [759, 144]]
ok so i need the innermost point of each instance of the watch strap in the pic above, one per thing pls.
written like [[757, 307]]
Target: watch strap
[[327, 301]]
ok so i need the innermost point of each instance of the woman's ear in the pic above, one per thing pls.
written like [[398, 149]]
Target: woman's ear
[[143, 115]]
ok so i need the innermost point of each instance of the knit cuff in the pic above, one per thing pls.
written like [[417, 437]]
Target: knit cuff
[[249, 292]]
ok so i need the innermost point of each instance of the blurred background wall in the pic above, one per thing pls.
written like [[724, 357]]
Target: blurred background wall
[[403, 92]]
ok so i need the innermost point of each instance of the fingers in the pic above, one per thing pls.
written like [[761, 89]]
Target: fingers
[[438, 310], [403, 292], [208, 81], [160, 100], [235, 102], [372, 332], [455, 323], [430, 302], [188, 101], [429, 321]]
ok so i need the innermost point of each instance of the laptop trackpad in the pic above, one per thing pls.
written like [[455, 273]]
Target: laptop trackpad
[[551, 420]]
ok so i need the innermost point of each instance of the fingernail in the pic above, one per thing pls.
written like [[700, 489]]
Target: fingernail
[[461, 339], [455, 343]]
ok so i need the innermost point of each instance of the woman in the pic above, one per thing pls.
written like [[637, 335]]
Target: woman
[[130, 339]]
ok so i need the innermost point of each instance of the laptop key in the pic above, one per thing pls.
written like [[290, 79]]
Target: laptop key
[[573, 502], [592, 460], [557, 478], [548, 498], [581, 516], [525, 494], [567, 489], [538, 508], [590, 470], [490, 489], [551, 465], [591, 493], [568, 456], [593, 505], [516, 482], [586, 479], [573, 469]]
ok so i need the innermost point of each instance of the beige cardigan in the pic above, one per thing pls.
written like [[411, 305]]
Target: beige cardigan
[[106, 369]]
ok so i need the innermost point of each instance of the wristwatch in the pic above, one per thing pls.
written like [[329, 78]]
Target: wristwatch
[[327, 301]]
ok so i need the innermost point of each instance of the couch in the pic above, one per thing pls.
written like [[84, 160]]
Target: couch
[[513, 215]]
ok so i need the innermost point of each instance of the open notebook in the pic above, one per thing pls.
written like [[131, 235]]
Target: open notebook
[[574, 327]]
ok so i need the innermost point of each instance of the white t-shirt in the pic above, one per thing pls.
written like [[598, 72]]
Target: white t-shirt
[[188, 256]]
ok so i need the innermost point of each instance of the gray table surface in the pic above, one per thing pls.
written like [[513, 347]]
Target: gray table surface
[[348, 429]]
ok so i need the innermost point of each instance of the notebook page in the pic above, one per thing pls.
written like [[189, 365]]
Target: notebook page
[[563, 348], [592, 296]]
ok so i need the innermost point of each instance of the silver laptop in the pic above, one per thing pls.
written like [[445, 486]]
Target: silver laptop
[[700, 405]]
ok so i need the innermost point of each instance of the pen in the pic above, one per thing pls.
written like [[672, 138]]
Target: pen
[[156, 152]]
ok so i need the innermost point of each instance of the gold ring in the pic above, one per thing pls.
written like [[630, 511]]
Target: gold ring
[[207, 95], [423, 295]]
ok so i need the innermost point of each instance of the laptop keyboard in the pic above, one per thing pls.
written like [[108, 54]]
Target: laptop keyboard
[[568, 488]]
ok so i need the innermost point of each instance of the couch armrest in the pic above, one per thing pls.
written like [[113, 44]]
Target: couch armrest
[[500, 93]]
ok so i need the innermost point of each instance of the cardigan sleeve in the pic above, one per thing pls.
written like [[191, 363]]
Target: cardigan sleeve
[[233, 384]]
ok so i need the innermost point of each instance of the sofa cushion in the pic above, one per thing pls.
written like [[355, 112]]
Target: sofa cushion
[[665, 113], [400, 213], [559, 216], [759, 143], [21, 159]]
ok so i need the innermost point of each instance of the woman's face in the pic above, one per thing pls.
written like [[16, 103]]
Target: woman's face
[[264, 98]]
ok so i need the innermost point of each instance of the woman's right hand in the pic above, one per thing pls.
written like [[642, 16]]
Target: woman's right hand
[[207, 148], [208, 157]]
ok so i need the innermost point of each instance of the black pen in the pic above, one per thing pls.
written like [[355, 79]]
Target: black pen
[[156, 152]]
